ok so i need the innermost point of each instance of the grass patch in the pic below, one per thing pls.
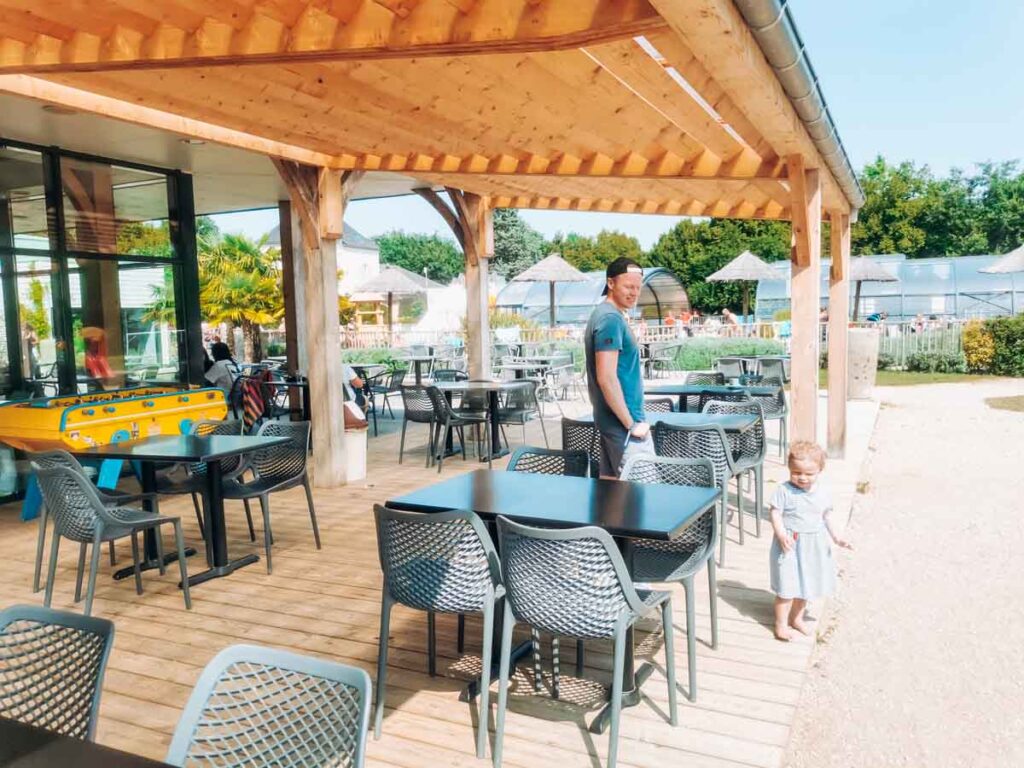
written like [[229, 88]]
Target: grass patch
[[909, 378], [1006, 403]]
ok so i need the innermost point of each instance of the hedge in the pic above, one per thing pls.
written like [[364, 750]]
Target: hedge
[[699, 354], [995, 346]]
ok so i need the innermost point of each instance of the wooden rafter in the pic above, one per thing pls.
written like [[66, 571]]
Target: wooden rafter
[[61, 36]]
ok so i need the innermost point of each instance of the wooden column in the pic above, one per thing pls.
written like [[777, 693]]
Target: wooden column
[[805, 298], [471, 219], [288, 249], [838, 328], [318, 198]]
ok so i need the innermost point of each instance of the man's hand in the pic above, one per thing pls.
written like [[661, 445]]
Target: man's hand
[[640, 430], [841, 542]]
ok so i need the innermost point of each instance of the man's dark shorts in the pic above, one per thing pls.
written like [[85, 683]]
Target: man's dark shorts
[[613, 446]]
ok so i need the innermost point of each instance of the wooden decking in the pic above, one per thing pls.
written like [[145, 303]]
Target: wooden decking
[[327, 603]]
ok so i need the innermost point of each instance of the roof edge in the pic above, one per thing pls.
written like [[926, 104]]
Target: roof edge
[[776, 33]]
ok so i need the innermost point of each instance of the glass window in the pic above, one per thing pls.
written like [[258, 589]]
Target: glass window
[[22, 201], [110, 209], [37, 320], [124, 321]]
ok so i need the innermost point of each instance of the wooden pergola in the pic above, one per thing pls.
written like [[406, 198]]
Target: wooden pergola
[[647, 106]]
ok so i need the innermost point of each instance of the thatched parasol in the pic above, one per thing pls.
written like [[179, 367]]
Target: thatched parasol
[[864, 270], [552, 269], [745, 268], [1011, 262], [393, 281]]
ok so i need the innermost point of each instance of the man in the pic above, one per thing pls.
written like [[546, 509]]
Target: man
[[353, 385], [613, 367]]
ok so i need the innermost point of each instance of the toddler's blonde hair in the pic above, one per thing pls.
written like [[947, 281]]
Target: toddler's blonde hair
[[805, 449]]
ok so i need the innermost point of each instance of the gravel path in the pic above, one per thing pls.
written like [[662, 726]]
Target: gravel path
[[921, 657]]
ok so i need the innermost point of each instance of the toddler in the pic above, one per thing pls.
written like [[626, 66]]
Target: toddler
[[802, 567]]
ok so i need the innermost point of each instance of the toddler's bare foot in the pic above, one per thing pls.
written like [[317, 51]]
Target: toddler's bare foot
[[797, 623], [782, 633]]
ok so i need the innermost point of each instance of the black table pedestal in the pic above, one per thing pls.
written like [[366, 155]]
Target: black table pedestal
[[497, 451], [216, 530], [150, 559]]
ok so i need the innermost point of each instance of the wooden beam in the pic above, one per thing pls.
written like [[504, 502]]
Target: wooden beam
[[838, 331], [319, 31], [446, 212], [720, 40], [332, 209], [320, 309], [479, 220], [805, 298]]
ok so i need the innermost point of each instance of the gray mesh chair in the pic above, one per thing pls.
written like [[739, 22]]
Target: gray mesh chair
[[80, 515], [392, 387], [658, 404], [682, 558], [703, 441], [574, 583], [449, 374], [110, 498], [582, 436], [417, 408], [51, 668], [522, 406], [449, 418], [258, 707], [773, 368], [440, 562], [547, 461], [737, 396], [748, 450], [191, 478], [776, 408], [730, 367], [709, 378], [274, 469]]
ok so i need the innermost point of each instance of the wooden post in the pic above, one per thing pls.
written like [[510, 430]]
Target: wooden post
[[471, 219], [291, 331], [308, 186], [838, 329], [805, 297]]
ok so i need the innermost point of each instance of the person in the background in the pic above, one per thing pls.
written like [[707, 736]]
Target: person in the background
[[670, 319], [224, 371], [97, 366], [353, 385]]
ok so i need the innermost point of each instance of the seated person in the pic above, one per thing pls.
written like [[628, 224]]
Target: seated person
[[353, 386], [223, 370]]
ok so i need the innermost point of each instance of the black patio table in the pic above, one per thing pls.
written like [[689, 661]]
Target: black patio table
[[694, 390], [26, 746], [492, 388], [626, 510], [189, 449], [417, 361]]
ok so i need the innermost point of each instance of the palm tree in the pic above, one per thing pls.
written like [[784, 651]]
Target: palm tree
[[240, 283]]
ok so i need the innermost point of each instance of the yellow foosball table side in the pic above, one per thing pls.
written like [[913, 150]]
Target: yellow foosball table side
[[75, 422]]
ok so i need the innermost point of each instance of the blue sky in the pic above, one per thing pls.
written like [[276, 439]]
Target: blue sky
[[932, 81]]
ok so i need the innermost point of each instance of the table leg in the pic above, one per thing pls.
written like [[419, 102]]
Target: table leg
[[216, 529], [632, 678], [449, 444], [492, 406], [418, 374], [150, 559]]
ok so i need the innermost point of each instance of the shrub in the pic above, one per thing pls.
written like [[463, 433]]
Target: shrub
[[699, 354], [979, 347], [937, 362], [370, 355], [885, 362], [782, 314], [1008, 345]]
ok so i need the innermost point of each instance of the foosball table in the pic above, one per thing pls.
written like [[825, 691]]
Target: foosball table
[[74, 422]]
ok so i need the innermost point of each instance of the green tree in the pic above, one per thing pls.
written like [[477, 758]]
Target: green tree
[[593, 254], [1001, 188], [240, 283], [889, 221], [695, 249], [517, 245], [441, 257], [35, 314], [145, 239]]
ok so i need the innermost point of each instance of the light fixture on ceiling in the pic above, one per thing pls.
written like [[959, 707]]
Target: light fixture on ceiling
[[59, 109], [193, 142]]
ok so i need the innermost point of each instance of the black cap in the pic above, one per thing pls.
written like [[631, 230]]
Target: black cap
[[619, 266]]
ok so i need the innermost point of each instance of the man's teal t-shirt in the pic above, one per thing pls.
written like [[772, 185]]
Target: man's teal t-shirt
[[607, 331]]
